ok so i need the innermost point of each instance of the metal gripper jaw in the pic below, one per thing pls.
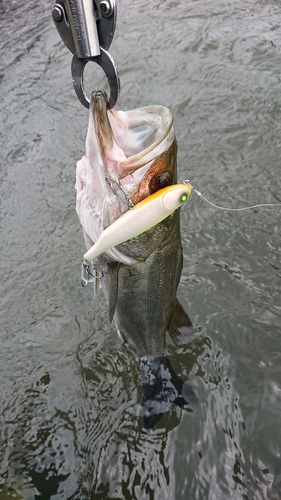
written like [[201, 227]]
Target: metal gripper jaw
[[87, 28]]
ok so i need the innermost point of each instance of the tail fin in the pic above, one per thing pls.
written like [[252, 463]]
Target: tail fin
[[162, 390]]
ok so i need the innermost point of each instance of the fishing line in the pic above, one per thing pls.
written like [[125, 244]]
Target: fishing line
[[227, 208]]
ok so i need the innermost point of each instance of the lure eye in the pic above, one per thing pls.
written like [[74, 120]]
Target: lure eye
[[160, 181], [183, 197]]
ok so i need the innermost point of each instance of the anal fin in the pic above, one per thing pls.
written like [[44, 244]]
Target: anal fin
[[113, 269], [180, 328]]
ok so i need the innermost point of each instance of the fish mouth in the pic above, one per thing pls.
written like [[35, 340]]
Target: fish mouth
[[129, 141], [126, 153]]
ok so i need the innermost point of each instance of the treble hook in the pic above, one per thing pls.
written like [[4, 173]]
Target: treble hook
[[88, 273], [112, 182]]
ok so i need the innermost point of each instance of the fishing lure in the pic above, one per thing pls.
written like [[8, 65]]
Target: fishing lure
[[143, 216], [147, 213]]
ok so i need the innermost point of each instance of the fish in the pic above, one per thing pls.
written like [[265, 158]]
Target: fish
[[130, 155]]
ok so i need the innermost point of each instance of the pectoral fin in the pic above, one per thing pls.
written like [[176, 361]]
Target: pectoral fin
[[113, 269], [180, 327]]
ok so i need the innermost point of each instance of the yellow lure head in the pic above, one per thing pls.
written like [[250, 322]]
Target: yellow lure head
[[174, 196]]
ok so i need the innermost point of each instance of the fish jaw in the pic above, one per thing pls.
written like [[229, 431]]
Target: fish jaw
[[90, 180], [96, 204]]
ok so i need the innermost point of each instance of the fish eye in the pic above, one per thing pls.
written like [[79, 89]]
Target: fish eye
[[160, 181]]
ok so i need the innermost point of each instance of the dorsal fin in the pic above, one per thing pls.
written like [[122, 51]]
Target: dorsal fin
[[113, 269], [180, 328]]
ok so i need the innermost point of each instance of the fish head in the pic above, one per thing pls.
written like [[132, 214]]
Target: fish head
[[129, 156]]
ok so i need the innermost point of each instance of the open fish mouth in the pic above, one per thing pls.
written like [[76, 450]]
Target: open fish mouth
[[130, 140]]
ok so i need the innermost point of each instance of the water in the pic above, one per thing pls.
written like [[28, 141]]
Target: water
[[70, 399]]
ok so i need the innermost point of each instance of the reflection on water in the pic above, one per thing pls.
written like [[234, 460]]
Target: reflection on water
[[70, 406], [93, 447]]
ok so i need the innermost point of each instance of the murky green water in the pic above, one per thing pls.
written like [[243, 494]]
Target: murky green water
[[70, 401]]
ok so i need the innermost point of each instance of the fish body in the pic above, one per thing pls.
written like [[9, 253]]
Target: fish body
[[129, 156]]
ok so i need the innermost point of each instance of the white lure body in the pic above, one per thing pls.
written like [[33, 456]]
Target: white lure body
[[143, 216]]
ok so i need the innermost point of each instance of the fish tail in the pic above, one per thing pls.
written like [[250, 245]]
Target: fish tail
[[162, 390]]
